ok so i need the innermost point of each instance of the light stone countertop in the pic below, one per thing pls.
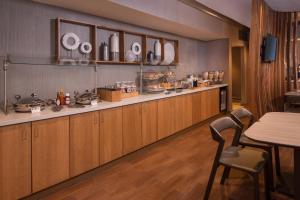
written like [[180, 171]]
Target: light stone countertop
[[17, 118]]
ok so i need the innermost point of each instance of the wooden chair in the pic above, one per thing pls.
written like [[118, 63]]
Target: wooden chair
[[243, 113], [248, 160]]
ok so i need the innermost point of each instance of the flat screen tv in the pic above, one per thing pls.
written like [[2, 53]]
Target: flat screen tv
[[269, 49]]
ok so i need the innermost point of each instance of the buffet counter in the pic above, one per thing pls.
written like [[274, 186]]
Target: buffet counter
[[52, 147], [17, 118]]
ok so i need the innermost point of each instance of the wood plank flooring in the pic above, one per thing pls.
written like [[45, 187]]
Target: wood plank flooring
[[176, 168]]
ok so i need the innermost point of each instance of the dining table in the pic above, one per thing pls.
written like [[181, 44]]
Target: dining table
[[282, 129]]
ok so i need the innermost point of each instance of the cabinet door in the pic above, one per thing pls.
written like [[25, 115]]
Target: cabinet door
[[50, 152], [111, 135], [15, 161], [149, 122], [215, 102], [84, 142], [197, 107], [132, 128], [166, 117], [209, 103], [183, 112]]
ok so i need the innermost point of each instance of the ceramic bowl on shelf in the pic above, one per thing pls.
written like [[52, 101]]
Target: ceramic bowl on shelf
[[130, 56]]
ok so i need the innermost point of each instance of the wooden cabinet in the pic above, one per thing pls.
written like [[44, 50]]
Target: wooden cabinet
[[84, 142], [183, 112], [166, 117], [111, 135], [149, 122], [205, 105], [50, 152], [34, 156], [132, 128], [210, 103], [196, 98], [15, 161], [174, 114]]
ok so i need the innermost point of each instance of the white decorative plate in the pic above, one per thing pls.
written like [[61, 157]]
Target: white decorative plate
[[74, 44], [169, 54], [85, 47], [136, 48]]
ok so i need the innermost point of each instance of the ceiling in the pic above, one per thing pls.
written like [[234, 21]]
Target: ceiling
[[176, 16], [170, 16], [237, 10], [284, 5]]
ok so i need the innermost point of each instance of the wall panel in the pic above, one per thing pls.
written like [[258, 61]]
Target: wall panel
[[265, 81]]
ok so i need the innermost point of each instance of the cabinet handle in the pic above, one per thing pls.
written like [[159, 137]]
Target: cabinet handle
[[24, 136], [95, 119], [36, 134]]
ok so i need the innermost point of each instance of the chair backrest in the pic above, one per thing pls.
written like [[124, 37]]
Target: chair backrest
[[240, 113], [222, 124]]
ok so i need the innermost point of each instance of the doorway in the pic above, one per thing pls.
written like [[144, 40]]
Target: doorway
[[238, 79]]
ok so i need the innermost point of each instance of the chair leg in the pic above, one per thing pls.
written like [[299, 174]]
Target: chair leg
[[210, 181], [277, 160], [267, 180], [256, 186], [225, 175], [270, 171]]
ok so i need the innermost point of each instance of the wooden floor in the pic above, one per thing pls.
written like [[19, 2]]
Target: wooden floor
[[176, 169]]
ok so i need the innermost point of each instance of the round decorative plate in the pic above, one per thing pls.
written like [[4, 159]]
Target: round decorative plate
[[136, 48], [85, 47], [169, 54], [70, 41]]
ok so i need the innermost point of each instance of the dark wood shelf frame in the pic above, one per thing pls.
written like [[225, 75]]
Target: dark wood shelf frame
[[58, 37], [95, 55]]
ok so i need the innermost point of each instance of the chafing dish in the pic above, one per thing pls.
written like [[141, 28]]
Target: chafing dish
[[86, 98], [27, 104]]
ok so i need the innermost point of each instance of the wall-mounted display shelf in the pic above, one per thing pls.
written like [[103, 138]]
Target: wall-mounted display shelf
[[94, 35], [53, 61], [97, 35]]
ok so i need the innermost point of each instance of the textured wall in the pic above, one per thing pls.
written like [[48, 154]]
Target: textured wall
[[27, 29], [217, 56]]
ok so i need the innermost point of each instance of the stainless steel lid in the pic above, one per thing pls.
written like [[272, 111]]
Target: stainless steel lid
[[25, 104]]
